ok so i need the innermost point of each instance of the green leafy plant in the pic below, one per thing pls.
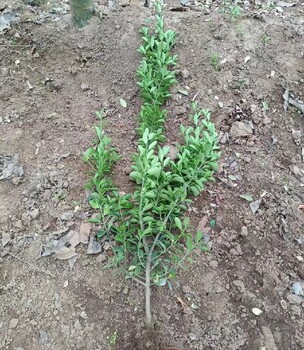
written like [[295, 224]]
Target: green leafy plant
[[265, 39], [215, 59], [265, 106], [149, 233], [112, 339], [232, 8]]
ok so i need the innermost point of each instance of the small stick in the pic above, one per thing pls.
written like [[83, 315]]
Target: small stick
[[29, 264], [138, 281]]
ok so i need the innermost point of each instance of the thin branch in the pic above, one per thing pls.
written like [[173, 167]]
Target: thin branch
[[39, 269], [139, 281]]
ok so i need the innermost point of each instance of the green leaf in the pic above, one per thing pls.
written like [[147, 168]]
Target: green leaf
[[123, 103], [178, 223], [247, 197], [199, 236], [88, 153], [132, 268], [101, 233], [94, 204], [232, 177], [161, 282], [183, 92], [212, 223], [154, 171]]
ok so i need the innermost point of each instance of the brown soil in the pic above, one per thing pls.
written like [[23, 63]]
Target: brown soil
[[53, 79]]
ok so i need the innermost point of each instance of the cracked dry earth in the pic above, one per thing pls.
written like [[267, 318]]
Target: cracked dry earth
[[246, 293]]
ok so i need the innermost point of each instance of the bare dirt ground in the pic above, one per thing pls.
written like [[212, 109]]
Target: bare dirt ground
[[53, 77]]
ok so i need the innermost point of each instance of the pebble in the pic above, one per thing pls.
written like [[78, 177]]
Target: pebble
[[240, 129], [266, 120], [67, 216], [185, 74], [43, 337], [77, 325], [101, 258], [5, 72], [240, 285], [244, 231], [84, 87], [13, 323], [296, 310], [186, 289], [34, 213], [256, 311], [284, 304], [294, 299], [83, 315], [213, 264], [192, 337]]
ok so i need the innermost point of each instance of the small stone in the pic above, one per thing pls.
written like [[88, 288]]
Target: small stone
[[101, 258], [294, 299], [67, 216], [221, 104], [296, 310], [43, 337], [5, 72], [266, 120], [125, 291], [77, 325], [34, 213], [185, 74], [83, 315], [13, 323], [256, 311], [240, 285], [180, 110], [192, 337], [284, 304], [17, 180], [297, 288], [84, 87], [240, 129], [186, 289], [244, 231], [213, 264]]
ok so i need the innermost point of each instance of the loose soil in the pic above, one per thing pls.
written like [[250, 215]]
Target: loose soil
[[53, 79]]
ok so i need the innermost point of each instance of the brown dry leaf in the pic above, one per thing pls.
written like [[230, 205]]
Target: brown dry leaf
[[181, 301], [84, 232], [71, 239], [203, 225], [65, 253], [72, 261]]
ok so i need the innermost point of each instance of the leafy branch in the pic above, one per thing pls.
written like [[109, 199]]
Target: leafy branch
[[149, 231]]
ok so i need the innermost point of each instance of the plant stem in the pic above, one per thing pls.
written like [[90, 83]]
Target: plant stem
[[148, 282], [148, 292]]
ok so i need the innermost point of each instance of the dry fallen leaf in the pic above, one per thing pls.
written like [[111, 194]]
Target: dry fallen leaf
[[94, 247], [180, 300], [65, 253], [203, 225], [84, 232], [72, 261]]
